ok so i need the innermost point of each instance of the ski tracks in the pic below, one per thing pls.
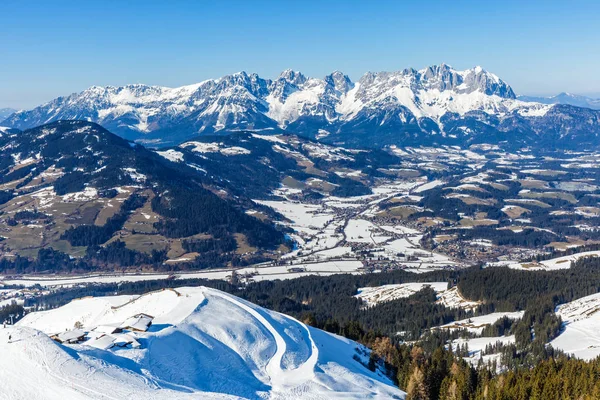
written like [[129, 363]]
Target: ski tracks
[[281, 378]]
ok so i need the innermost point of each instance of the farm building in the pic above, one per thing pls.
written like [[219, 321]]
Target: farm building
[[139, 322], [70, 337], [107, 329], [107, 341]]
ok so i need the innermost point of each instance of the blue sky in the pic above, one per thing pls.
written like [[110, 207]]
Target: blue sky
[[51, 48]]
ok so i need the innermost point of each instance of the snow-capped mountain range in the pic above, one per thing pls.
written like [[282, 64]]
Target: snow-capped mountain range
[[565, 98], [437, 104]]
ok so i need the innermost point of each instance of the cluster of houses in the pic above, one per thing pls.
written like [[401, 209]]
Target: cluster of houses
[[104, 337]]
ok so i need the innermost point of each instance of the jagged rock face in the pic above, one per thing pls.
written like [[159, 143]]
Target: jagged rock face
[[435, 105]]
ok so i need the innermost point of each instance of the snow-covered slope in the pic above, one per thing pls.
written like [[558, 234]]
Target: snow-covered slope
[[203, 343], [437, 103], [581, 320], [450, 298], [379, 294], [563, 262]]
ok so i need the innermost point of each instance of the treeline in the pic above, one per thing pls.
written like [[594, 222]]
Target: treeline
[[16, 310], [566, 252], [5, 196], [97, 258], [528, 237], [221, 245], [505, 289], [116, 253], [93, 235]]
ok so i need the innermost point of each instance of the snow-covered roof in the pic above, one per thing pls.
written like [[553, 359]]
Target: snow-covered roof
[[139, 322], [105, 342], [107, 329], [69, 336]]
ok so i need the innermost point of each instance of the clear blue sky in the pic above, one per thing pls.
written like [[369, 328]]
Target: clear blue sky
[[50, 48]]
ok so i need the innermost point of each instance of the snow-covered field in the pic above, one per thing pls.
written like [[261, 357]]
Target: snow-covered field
[[581, 321], [476, 347], [450, 298], [476, 324], [380, 294], [203, 344], [361, 231], [563, 262], [254, 273]]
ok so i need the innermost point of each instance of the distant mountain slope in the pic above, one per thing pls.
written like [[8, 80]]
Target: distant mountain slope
[[565, 98], [254, 165], [202, 343], [6, 112], [73, 186], [435, 105]]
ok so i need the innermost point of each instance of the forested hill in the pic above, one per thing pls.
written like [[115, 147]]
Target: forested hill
[[254, 165], [75, 187]]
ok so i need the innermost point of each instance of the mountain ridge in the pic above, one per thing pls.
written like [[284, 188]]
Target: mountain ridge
[[6, 112], [434, 105], [565, 98]]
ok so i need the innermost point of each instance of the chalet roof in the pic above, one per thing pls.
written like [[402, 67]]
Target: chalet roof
[[124, 339], [71, 336], [107, 341], [107, 329], [103, 342], [139, 322]]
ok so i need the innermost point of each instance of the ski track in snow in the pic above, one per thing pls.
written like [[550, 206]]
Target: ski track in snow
[[279, 376], [203, 344]]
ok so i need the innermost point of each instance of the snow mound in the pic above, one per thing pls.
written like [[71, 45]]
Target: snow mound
[[202, 343]]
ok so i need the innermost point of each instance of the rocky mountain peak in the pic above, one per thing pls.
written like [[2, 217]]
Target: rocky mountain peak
[[418, 100], [340, 82], [293, 77]]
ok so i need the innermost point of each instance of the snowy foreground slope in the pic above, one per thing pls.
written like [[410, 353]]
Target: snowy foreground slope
[[202, 344]]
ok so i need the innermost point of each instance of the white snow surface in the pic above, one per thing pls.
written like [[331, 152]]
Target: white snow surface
[[476, 324], [563, 262], [450, 298], [171, 155], [379, 294], [203, 344], [581, 321]]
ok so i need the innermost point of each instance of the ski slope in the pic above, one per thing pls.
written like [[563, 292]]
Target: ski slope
[[202, 344]]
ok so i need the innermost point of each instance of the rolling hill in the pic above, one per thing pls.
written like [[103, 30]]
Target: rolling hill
[[202, 343]]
